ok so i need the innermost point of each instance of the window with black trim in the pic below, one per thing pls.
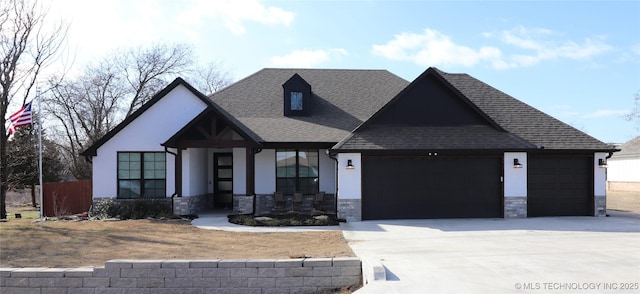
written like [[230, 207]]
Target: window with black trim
[[296, 101], [141, 174], [297, 171]]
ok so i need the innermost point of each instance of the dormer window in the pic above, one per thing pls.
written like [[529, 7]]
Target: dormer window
[[297, 96], [296, 101]]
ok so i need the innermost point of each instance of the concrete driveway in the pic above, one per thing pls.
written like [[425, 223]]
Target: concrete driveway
[[534, 255]]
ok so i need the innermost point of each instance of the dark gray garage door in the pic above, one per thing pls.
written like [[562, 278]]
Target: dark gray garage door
[[429, 187], [559, 186]]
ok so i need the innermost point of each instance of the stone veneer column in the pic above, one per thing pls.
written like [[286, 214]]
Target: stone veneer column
[[599, 185], [515, 185], [600, 205], [350, 209], [515, 207]]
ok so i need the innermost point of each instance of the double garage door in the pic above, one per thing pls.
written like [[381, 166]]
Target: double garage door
[[471, 187], [431, 187]]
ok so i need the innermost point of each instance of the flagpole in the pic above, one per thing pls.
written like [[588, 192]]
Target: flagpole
[[40, 153]]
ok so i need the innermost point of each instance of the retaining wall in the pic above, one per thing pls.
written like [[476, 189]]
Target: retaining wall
[[311, 275]]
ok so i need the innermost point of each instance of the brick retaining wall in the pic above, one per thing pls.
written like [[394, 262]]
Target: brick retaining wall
[[311, 275]]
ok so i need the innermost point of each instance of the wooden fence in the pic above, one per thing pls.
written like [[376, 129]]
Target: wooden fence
[[66, 198]]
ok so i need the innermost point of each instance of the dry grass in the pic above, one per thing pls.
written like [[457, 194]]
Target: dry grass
[[624, 201], [24, 243], [72, 244]]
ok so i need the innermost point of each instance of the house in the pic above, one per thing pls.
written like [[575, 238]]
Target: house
[[623, 173], [379, 147]]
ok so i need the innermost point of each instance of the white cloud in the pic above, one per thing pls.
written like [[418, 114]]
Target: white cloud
[[307, 58], [605, 113], [521, 47], [433, 48], [537, 46], [235, 13]]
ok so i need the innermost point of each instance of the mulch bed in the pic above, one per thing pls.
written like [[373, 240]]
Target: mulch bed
[[291, 219]]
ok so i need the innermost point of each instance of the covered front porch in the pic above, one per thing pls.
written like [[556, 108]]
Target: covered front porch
[[218, 165]]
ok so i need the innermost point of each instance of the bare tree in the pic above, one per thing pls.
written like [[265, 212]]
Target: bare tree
[[146, 69], [634, 115], [27, 46], [87, 107], [210, 78]]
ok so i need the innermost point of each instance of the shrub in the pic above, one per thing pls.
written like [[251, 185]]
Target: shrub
[[133, 208]]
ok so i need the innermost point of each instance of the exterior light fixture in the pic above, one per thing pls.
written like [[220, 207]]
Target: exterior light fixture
[[350, 164], [602, 163], [516, 163]]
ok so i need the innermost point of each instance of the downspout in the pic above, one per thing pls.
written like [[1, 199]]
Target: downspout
[[166, 149], [333, 156], [254, 151]]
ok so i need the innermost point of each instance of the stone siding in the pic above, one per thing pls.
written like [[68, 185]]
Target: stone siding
[[350, 209], [242, 204], [515, 207], [265, 204], [312, 275], [190, 205], [600, 205]]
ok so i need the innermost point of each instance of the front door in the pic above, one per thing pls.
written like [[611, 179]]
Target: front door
[[223, 180]]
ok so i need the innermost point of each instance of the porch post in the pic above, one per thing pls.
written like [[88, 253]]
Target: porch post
[[178, 173], [251, 168]]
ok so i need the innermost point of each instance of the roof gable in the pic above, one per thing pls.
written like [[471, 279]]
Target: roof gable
[[247, 134], [521, 119], [515, 125], [429, 101], [297, 98]]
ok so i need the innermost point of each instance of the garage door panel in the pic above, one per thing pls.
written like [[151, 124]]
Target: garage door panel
[[431, 187], [559, 186]]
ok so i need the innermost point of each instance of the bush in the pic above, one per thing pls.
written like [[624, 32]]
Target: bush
[[133, 208], [291, 219]]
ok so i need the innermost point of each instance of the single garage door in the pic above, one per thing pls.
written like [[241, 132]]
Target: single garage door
[[559, 186], [431, 187]]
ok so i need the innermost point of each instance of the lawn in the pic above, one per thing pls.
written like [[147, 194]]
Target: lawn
[[623, 201], [24, 243]]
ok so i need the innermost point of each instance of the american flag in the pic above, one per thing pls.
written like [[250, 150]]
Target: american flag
[[21, 118]]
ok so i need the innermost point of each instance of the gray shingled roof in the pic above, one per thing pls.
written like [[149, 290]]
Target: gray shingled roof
[[524, 126], [342, 100], [432, 138], [521, 119], [630, 148]]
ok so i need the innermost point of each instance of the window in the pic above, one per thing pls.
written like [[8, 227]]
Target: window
[[296, 101], [297, 171], [141, 174]]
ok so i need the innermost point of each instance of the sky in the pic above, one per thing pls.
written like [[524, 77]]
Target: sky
[[578, 61]]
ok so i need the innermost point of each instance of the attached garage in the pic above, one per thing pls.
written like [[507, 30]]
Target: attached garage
[[431, 187], [560, 186]]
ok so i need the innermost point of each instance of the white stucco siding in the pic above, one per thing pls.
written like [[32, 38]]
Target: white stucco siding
[[349, 180], [265, 171], [239, 171], [195, 172], [145, 133], [599, 175], [327, 167], [623, 169], [515, 179]]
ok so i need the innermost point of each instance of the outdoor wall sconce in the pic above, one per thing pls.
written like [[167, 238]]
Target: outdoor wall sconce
[[350, 164], [516, 163], [602, 163]]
